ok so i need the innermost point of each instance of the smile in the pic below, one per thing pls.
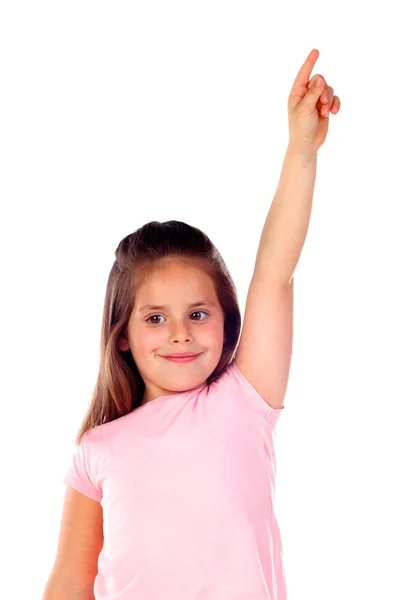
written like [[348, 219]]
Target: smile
[[181, 359]]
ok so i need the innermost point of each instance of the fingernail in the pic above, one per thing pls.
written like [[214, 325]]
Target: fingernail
[[319, 81]]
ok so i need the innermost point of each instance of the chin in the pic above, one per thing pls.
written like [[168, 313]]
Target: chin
[[189, 379]]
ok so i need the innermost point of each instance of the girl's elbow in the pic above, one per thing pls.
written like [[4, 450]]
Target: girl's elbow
[[59, 587]]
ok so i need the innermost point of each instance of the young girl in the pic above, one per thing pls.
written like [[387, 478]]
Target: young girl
[[170, 489]]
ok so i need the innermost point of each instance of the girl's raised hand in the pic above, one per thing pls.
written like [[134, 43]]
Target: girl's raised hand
[[309, 106]]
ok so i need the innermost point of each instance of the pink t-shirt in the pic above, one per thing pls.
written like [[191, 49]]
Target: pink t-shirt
[[187, 485]]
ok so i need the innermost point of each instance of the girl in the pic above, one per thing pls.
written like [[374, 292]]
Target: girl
[[170, 489]]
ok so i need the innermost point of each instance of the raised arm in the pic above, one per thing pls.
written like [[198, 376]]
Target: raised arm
[[265, 348]]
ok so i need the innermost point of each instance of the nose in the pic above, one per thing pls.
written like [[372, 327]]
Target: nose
[[181, 332]]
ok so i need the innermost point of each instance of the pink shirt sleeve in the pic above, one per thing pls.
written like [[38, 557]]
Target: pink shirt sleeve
[[79, 474], [254, 399]]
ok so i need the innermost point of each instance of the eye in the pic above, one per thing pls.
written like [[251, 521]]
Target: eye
[[153, 322], [158, 323], [197, 312]]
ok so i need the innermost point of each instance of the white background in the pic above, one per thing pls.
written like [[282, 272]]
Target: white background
[[117, 113]]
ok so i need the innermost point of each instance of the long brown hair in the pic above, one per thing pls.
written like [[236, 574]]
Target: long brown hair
[[119, 388]]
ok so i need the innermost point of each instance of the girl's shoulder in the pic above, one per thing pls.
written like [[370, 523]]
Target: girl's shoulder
[[233, 382]]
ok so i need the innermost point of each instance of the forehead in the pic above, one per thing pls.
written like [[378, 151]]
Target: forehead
[[175, 283]]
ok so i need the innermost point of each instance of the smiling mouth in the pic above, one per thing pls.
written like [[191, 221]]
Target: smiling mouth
[[182, 359]]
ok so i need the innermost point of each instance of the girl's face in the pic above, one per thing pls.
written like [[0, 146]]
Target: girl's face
[[186, 317]]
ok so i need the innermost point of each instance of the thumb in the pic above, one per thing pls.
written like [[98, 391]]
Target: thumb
[[315, 91]]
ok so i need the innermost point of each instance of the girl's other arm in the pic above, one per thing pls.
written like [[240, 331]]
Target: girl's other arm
[[79, 545]]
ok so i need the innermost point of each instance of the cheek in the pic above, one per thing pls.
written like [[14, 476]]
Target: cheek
[[144, 339], [151, 338], [212, 334]]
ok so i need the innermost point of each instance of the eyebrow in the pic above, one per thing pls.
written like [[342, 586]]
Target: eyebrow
[[158, 307]]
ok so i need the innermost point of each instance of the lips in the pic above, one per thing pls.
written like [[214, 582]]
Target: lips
[[180, 355], [181, 358]]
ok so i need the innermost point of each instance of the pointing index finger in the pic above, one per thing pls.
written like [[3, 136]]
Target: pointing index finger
[[303, 76]]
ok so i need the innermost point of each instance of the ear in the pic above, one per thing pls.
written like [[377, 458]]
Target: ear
[[123, 343]]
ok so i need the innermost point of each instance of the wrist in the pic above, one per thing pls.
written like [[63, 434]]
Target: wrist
[[301, 151]]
